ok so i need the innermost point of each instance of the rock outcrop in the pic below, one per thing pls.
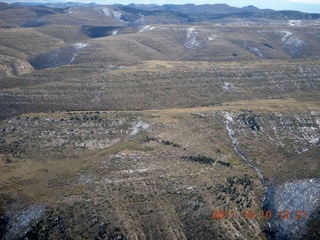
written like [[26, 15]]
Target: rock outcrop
[[10, 66]]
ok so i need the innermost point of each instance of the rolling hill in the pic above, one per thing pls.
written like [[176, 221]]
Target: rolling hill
[[158, 122]]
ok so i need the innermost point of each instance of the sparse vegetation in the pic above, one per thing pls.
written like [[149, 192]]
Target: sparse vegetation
[[123, 130], [224, 163], [199, 159]]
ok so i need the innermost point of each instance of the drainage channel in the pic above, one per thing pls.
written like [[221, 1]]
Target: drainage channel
[[229, 120], [298, 196]]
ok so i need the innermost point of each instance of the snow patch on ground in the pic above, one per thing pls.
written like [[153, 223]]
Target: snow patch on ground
[[123, 155], [285, 35], [138, 127], [294, 23], [228, 117], [96, 144], [227, 86], [107, 12], [110, 13], [311, 134], [141, 170], [145, 29], [191, 41], [117, 15], [297, 133], [78, 46], [229, 121], [211, 38]]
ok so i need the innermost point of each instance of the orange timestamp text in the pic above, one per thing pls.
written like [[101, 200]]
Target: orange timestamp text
[[264, 214]]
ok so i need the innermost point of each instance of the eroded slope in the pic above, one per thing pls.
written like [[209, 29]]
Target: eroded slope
[[148, 174]]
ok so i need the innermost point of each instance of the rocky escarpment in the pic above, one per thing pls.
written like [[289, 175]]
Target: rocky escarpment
[[10, 66], [57, 57]]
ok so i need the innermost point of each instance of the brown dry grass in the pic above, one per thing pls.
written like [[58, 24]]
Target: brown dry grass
[[146, 183]]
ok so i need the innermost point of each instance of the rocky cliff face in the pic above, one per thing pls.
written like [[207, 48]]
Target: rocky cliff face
[[10, 66]]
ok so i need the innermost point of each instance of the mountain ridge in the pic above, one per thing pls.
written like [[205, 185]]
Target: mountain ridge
[[124, 123]]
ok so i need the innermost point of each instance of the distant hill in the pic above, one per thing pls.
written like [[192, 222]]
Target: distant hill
[[219, 11], [147, 122], [174, 13], [55, 5], [195, 9]]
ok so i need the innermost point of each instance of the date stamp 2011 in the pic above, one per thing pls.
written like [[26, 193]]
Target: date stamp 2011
[[264, 214]]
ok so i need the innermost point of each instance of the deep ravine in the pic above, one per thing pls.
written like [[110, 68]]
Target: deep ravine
[[300, 199], [240, 153]]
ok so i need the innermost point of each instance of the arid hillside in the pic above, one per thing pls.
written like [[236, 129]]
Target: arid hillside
[[153, 174], [146, 122]]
